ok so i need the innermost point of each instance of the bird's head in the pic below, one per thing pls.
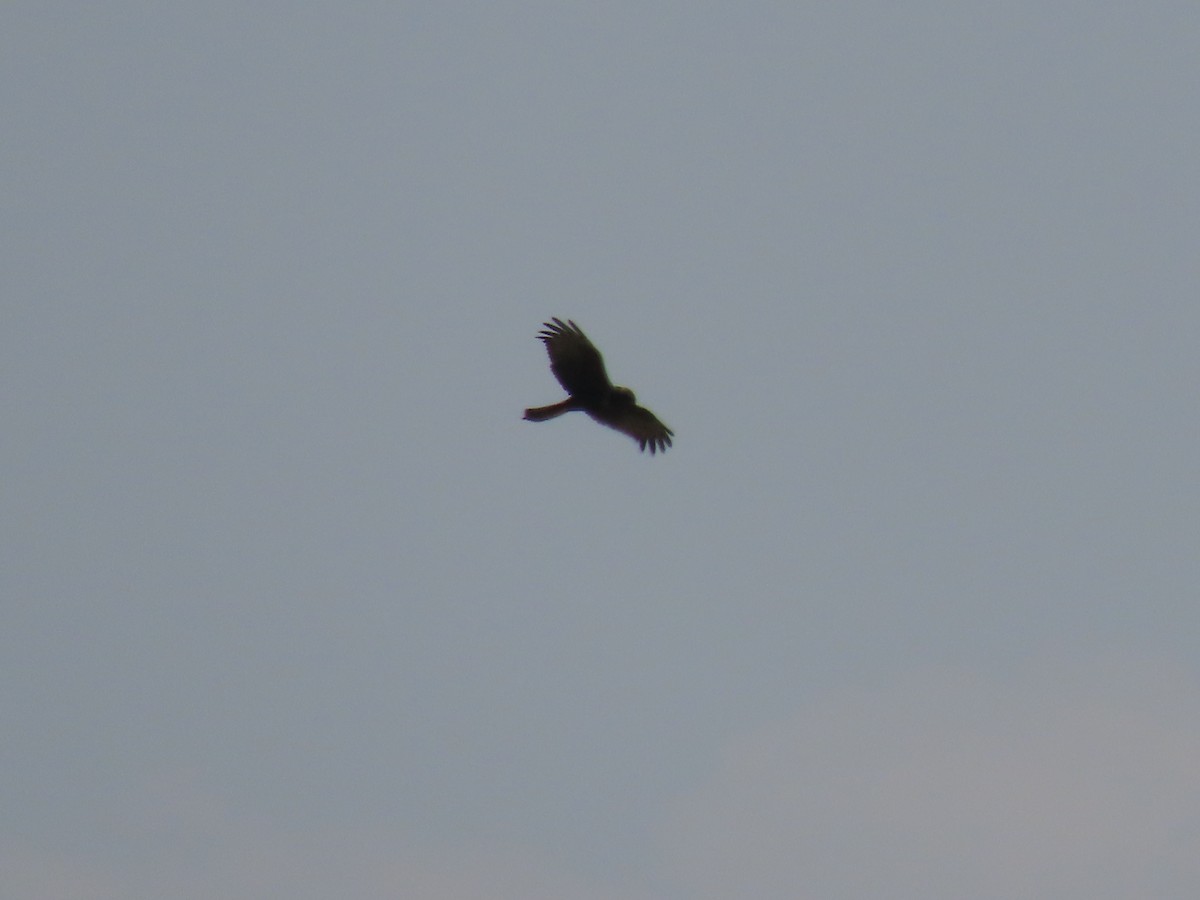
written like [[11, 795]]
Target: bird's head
[[623, 395]]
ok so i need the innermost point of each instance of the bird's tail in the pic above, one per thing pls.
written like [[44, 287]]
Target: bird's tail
[[542, 413]]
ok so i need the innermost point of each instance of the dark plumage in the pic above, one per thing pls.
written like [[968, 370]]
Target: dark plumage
[[579, 368]]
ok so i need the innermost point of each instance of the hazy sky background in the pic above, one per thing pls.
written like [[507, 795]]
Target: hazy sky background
[[296, 606]]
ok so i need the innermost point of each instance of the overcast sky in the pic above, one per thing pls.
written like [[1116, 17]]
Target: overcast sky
[[295, 605]]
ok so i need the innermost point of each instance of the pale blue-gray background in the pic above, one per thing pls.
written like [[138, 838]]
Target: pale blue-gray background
[[296, 606]]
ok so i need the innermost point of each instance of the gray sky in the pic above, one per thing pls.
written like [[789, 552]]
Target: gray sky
[[296, 606]]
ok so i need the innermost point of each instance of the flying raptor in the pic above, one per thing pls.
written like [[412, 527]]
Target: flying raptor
[[579, 368]]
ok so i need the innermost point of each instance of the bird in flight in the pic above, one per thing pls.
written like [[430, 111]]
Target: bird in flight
[[579, 368]]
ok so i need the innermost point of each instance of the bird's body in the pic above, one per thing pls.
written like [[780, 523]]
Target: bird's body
[[579, 368]]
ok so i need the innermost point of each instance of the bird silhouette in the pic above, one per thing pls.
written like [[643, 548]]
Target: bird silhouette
[[579, 368]]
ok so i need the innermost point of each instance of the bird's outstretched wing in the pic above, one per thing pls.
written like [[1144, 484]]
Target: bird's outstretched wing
[[637, 422], [574, 360]]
